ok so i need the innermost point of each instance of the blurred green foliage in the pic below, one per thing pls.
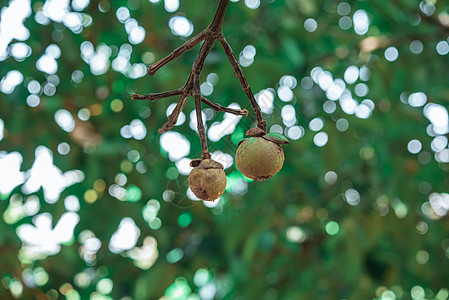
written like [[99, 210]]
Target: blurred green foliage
[[357, 212]]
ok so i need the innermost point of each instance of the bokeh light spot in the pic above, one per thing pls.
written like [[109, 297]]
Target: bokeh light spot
[[332, 228]]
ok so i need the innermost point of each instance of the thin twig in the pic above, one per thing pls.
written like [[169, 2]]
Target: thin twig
[[200, 127], [152, 69], [217, 107], [192, 87], [173, 117], [244, 83], [157, 96]]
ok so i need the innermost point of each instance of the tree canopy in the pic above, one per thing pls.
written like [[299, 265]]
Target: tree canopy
[[95, 203]]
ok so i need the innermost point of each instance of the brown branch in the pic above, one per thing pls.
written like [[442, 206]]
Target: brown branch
[[173, 117], [201, 131], [243, 82], [198, 64], [217, 107], [192, 87], [157, 96], [217, 21], [152, 69]]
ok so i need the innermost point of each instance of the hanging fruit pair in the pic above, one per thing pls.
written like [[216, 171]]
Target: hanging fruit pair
[[258, 157]]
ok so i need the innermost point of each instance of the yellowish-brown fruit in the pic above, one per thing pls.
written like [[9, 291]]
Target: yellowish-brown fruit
[[258, 158], [208, 180]]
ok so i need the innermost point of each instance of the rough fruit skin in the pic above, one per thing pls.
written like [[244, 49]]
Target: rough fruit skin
[[258, 158], [207, 183]]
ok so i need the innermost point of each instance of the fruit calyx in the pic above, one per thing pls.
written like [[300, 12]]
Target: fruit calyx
[[274, 137], [205, 164], [256, 132]]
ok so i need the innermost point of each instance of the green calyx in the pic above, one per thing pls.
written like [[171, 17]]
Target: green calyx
[[276, 138]]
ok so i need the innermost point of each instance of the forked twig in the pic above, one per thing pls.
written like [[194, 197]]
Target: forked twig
[[192, 87]]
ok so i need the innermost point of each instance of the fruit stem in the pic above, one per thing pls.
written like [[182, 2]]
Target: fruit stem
[[201, 131], [243, 82]]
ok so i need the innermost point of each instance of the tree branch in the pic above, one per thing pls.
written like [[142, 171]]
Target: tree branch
[[157, 96], [173, 117], [217, 107], [192, 86], [217, 21], [152, 69], [243, 82], [200, 127]]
